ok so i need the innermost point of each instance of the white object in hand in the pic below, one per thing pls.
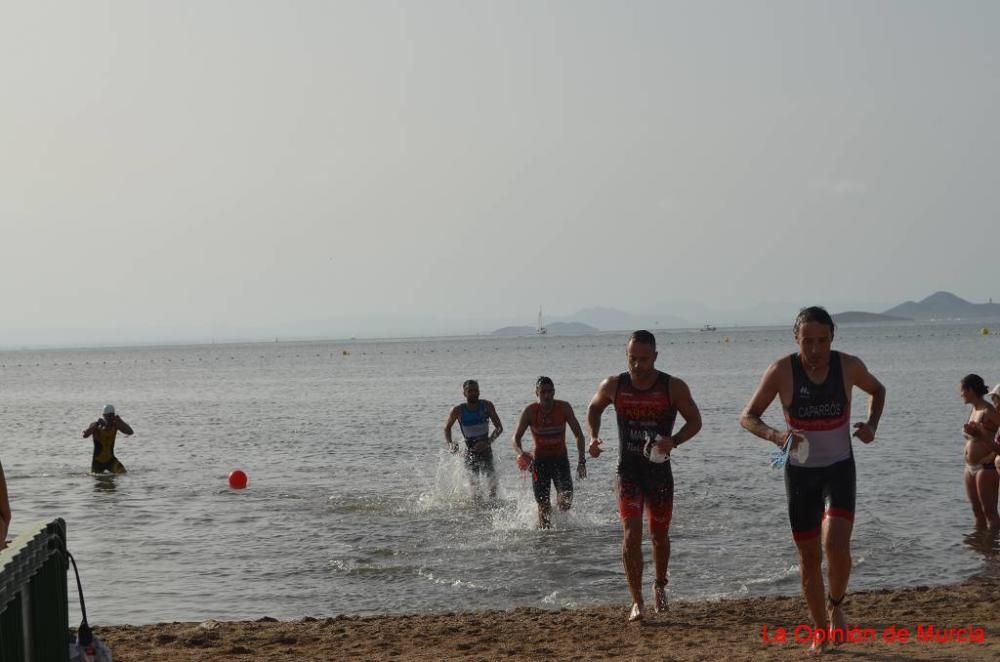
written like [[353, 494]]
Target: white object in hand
[[802, 451], [653, 452]]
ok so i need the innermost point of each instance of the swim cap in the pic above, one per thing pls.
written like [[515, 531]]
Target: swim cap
[[524, 461], [109, 409]]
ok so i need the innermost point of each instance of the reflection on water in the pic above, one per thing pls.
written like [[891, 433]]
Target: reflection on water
[[985, 542], [105, 483]]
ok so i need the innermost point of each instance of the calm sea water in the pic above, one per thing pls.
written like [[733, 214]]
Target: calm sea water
[[353, 506]]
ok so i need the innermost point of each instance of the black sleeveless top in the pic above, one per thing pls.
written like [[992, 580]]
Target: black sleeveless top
[[822, 411], [642, 413]]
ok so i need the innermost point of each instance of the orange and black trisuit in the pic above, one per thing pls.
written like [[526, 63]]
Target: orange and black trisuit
[[548, 430], [642, 414], [823, 486]]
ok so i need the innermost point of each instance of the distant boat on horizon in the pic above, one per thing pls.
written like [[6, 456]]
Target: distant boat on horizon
[[707, 327], [540, 330]]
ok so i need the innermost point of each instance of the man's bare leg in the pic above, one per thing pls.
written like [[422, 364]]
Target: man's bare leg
[[837, 547], [632, 562], [810, 568], [661, 561], [544, 515]]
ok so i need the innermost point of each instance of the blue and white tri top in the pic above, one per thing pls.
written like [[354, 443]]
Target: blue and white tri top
[[474, 423]]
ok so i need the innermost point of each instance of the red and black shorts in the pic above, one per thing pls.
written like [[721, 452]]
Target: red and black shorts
[[817, 492], [645, 485]]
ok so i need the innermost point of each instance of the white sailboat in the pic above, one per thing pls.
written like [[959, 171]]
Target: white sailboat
[[540, 330]]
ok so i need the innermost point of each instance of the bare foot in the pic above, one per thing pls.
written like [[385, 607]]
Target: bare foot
[[635, 616], [660, 604], [818, 648], [838, 622]]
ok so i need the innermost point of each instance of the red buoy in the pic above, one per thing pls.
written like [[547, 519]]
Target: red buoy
[[237, 479]]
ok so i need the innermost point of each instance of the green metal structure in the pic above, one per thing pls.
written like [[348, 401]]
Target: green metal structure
[[34, 608]]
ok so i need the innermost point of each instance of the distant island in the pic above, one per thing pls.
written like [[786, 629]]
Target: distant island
[[945, 306], [938, 306], [553, 329]]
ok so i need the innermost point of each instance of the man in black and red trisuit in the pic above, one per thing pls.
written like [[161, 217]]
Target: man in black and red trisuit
[[814, 385], [646, 402]]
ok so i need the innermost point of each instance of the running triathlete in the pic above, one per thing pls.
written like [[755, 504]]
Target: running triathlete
[[474, 417], [104, 431], [646, 402], [815, 386], [548, 419]]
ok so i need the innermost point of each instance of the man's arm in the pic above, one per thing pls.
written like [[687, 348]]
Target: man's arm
[[123, 427], [859, 376], [491, 411], [574, 425], [680, 394], [605, 396], [767, 391], [90, 430], [452, 417], [522, 425]]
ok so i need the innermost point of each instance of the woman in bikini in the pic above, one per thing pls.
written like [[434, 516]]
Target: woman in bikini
[[981, 476]]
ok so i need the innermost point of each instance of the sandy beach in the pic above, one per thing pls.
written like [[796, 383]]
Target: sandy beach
[[967, 615]]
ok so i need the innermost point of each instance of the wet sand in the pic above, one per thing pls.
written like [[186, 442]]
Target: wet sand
[[690, 631]]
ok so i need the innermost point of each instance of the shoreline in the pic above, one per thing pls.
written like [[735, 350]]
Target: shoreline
[[696, 630]]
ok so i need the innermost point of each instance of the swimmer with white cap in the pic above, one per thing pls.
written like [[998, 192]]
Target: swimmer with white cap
[[104, 431]]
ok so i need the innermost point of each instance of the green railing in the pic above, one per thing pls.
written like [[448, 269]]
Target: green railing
[[34, 612]]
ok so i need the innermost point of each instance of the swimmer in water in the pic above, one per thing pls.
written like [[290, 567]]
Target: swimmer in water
[[104, 431]]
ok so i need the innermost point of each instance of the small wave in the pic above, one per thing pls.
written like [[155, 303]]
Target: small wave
[[553, 599], [774, 579], [375, 504], [455, 583], [356, 568]]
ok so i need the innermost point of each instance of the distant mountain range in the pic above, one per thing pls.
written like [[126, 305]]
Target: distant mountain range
[[554, 329], [945, 306], [938, 306]]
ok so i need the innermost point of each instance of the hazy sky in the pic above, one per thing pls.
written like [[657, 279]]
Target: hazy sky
[[193, 169]]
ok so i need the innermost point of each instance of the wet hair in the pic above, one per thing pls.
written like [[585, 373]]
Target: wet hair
[[469, 382], [813, 314], [644, 337], [544, 381], [975, 384]]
